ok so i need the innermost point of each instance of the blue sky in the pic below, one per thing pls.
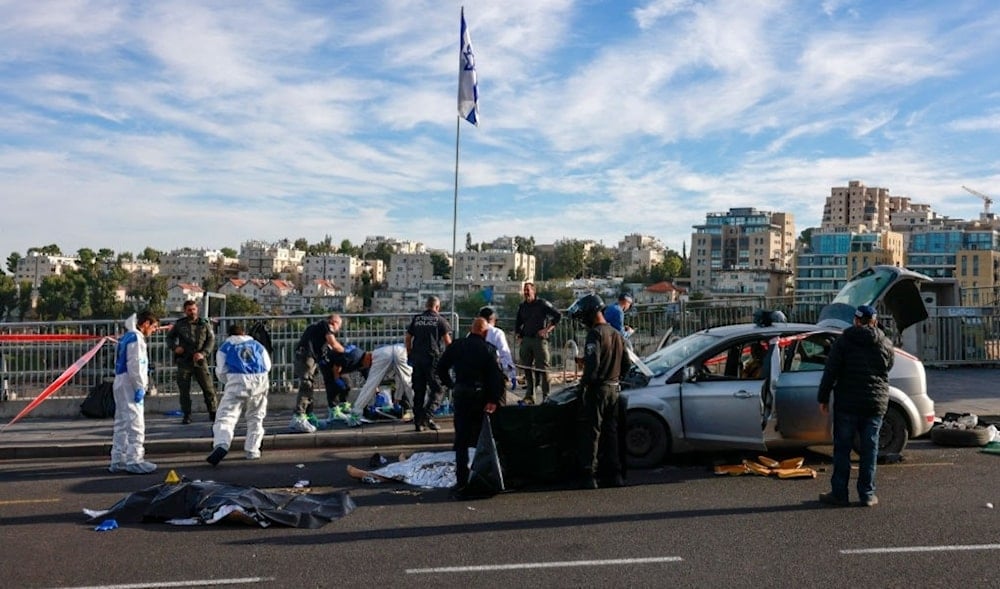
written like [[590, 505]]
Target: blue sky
[[205, 124]]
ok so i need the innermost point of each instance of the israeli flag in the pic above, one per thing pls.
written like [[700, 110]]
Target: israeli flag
[[468, 88]]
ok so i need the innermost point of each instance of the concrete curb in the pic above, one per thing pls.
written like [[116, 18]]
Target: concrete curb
[[284, 441]]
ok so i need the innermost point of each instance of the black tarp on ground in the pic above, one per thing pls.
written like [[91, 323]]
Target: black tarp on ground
[[204, 501]]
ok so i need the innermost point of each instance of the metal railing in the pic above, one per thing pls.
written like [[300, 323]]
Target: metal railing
[[951, 336]]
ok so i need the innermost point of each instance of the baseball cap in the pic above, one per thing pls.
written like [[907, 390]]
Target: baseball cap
[[865, 312]]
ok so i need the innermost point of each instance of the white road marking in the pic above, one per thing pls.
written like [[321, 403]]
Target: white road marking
[[545, 565], [194, 583], [902, 549], [22, 501]]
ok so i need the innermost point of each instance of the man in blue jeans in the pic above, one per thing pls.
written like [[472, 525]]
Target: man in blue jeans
[[857, 373]]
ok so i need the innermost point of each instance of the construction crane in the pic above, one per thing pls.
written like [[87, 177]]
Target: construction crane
[[987, 201]]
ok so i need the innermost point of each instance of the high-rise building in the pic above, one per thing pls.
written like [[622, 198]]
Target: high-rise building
[[743, 251]]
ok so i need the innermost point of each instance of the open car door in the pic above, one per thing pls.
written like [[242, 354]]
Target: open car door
[[796, 407], [719, 408]]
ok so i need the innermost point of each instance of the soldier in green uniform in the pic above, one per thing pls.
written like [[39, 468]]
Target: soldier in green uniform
[[193, 341]]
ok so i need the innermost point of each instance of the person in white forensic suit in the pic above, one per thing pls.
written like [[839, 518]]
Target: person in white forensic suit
[[242, 365], [375, 366], [131, 380], [498, 338]]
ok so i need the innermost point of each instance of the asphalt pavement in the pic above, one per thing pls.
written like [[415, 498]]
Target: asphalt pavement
[[65, 433]]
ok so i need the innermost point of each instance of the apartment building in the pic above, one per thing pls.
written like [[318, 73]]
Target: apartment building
[[35, 267], [743, 251], [409, 271], [494, 266], [259, 259], [191, 266]]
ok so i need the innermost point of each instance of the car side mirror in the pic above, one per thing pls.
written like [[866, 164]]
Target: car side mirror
[[690, 374]]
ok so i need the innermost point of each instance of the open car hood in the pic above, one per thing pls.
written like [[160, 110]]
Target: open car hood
[[897, 289]]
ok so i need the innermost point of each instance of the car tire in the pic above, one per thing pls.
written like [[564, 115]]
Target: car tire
[[893, 435], [946, 436], [647, 439]]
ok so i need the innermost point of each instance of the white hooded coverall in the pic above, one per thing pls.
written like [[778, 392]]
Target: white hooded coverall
[[242, 364], [384, 359], [131, 374]]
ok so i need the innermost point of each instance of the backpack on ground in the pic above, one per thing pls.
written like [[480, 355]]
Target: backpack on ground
[[100, 401]]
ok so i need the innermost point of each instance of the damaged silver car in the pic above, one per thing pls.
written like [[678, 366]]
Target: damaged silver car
[[743, 386]]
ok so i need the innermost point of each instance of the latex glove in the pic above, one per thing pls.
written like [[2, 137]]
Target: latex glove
[[106, 526], [350, 348], [140, 394], [513, 383], [340, 383]]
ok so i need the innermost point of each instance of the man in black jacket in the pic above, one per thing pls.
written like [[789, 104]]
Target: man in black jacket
[[478, 387], [857, 372], [536, 318]]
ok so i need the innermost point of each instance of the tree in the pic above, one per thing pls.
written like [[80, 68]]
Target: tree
[[8, 296], [525, 245], [806, 236], [12, 261], [301, 244], [599, 260], [238, 305], [441, 265], [569, 259], [229, 252], [51, 250], [348, 248], [151, 255]]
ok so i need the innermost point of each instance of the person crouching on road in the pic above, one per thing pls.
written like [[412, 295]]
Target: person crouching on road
[[604, 362], [242, 364], [376, 366], [857, 373], [478, 387], [131, 381]]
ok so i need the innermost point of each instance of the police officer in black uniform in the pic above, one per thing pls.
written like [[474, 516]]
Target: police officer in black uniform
[[478, 387], [193, 342], [604, 362], [426, 338]]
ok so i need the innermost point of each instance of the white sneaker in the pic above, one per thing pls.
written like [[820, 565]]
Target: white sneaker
[[299, 424], [140, 467], [253, 455]]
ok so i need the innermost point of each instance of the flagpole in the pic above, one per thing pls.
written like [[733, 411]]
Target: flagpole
[[454, 222]]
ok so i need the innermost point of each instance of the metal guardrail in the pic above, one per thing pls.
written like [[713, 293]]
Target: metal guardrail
[[948, 338]]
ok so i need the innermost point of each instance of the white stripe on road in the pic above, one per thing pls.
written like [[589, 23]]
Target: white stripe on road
[[901, 549], [23, 501], [545, 565], [195, 583]]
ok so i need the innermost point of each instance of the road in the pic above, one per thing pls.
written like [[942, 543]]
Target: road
[[678, 525]]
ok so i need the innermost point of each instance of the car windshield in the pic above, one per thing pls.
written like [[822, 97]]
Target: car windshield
[[664, 359], [866, 288]]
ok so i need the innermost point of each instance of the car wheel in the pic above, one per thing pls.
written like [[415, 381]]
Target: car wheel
[[647, 439], [946, 436], [893, 435]]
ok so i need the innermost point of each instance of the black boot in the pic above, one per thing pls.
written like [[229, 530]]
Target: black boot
[[186, 419], [217, 455], [211, 416]]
